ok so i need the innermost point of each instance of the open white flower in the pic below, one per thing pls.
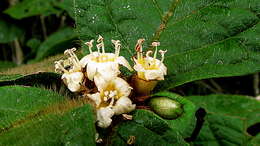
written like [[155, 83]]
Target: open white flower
[[111, 98], [102, 63], [147, 67], [71, 69]]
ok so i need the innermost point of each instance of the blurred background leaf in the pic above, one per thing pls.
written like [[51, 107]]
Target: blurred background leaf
[[56, 43], [28, 8], [9, 32]]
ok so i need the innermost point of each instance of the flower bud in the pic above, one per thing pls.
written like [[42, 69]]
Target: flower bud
[[166, 108], [143, 87]]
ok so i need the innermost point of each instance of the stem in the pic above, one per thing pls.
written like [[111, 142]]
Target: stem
[[256, 84], [18, 52], [44, 30], [62, 20]]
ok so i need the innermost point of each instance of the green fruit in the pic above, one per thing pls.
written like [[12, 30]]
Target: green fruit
[[166, 108]]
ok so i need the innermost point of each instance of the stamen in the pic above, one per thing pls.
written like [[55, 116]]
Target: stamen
[[70, 53], [148, 53], [59, 67], [100, 41], [117, 46], [112, 102], [155, 44], [90, 45], [162, 54], [139, 49], [98, 47]]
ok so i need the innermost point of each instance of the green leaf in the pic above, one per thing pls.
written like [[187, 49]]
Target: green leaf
[[255, 141], [56, 43], [49, 118], [204, 39], [227, 119], [47, 80], [33, 44], [6, 78], [31, 79], [9, 32], [28, 8], [144, 136]]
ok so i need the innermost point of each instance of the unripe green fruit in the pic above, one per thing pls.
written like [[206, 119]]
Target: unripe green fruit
[[166, 108]]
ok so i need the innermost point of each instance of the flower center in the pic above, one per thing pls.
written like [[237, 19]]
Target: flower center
[[148, 64], [102, 58]]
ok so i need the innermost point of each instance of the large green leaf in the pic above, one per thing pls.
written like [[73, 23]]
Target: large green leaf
[[9, 32], [33, 116], [227, 119], [28, 8], [204, 39], [56, 43]]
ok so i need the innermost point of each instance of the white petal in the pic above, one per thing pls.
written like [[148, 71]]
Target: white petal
[[123, 105], [91, 70], [154, 75], [73, 80], [96, 98], [100, 82], [122, 86], [139, 68], [163, 68], [104, 116], [85, 60], [121, 60], [108, 70]]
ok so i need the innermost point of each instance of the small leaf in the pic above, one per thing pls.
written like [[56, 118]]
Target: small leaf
[[227, 120]]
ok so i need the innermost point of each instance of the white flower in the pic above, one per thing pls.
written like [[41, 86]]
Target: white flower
[[147, 67], [123, 105], [71, 69], [102, 63], [112, 96], [104, 115]]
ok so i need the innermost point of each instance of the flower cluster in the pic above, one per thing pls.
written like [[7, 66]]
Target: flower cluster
[[111, 96]]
